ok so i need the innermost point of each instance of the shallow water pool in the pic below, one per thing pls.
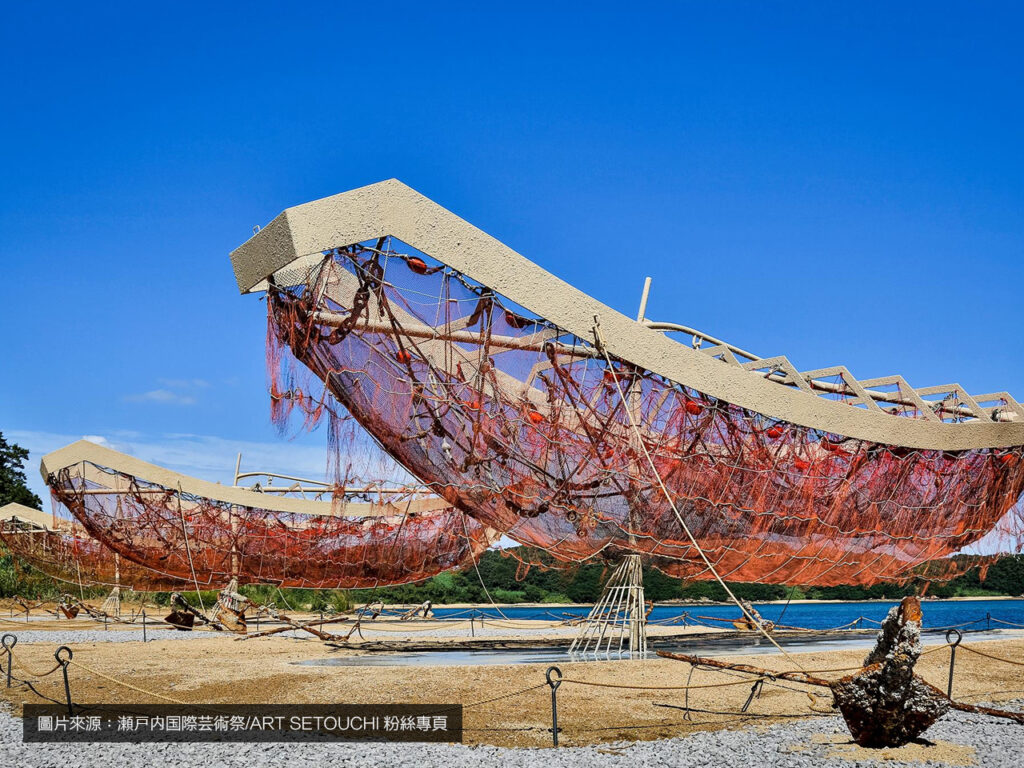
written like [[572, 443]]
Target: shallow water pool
[[701, 646]]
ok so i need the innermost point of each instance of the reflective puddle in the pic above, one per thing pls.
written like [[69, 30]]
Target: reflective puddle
[[725, 646]]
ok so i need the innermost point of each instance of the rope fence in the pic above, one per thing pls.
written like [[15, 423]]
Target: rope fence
[[9, 661]]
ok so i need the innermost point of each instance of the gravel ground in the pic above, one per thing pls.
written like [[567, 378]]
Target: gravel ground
[[67, 636], [958, 739], [70, 636]]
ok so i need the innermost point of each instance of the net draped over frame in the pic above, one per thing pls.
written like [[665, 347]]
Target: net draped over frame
[[522, 425], [193, 538], [69, 554]]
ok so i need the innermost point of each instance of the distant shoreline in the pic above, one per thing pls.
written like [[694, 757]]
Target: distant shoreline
[[698, 603]]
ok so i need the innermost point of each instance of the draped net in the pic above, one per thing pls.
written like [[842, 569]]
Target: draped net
[[521, 425], [69, 554], [196, 539]]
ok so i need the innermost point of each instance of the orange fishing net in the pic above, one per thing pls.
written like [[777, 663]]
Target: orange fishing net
[[192, 538], [67, 553], [522, 425]]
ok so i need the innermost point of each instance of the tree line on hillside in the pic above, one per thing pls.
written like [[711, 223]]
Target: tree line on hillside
[[582, 584]]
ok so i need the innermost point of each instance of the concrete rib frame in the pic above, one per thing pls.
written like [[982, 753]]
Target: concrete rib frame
[[392, 208]]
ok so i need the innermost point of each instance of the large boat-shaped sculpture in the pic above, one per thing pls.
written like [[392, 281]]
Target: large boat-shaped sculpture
[[200, 532], [569, 426]]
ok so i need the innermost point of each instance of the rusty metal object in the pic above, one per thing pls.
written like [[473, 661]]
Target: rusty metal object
[[232, 620], [183, 616], [71, 606], [701, 661], [181, 620], [310, 627], [750, 617], [425, 609], [885, 704], [230, 609], [29, 607], [291, 624]]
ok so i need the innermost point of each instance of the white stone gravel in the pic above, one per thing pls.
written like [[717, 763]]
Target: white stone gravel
[[999, 744], [68, 636]]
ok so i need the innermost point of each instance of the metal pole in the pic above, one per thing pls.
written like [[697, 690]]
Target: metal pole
[[64, 668], [754, 691], [143, 625], [9, 641], [952, 657], [643, 300], [554, 683]]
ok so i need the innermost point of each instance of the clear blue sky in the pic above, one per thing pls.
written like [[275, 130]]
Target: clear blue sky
[[838, 182]]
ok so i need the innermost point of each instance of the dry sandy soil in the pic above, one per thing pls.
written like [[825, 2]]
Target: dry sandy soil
[[505, 705]]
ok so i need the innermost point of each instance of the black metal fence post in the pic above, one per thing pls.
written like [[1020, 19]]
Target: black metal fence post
[[952, 657], [143, 625], [755, 691], [9, 641], [554, 683], [64, 668]]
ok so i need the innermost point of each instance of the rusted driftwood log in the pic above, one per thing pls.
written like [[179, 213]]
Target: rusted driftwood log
[[884, 704]]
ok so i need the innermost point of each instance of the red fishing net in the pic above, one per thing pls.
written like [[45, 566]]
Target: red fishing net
[[67, 553], [197, 539], [523, 426]]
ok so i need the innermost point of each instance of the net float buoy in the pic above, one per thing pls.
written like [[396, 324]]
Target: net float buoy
[[515, 320], [693, 407], [417, 265]]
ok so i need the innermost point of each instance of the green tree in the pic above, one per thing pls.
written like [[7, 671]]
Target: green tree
[[13, 487]]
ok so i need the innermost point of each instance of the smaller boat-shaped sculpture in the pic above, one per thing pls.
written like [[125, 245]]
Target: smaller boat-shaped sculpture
[[200, 532], [61, 548]]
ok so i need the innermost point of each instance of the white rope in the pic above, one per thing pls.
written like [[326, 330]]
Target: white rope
[[661, 484], [476, 568], [283, 599]]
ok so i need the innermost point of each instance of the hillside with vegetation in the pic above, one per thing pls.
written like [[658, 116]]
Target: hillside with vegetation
[[578, 584]]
